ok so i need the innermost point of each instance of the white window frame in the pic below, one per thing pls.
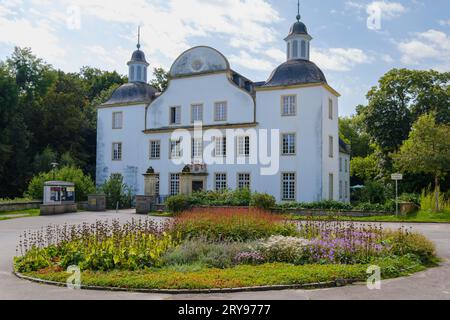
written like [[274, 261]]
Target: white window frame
[[221, 181], [220, 146], [175, 151], [155, 149], [117, 120], [197, 149], [330, 186], [157, 184], [244, 180], [330, 146], [196, 112], [330, 109], [177, 115], [243, 146], [289, 105], [174, 184], [221, 111], [288, 186], [288, 151], [117, 153]]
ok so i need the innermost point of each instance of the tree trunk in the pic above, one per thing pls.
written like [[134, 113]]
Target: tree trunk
[[436, 192]]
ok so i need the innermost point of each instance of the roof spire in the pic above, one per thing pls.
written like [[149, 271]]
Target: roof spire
[[298, 11], [139, 38]]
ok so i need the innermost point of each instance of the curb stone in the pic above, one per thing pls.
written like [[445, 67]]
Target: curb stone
[[318, 285]]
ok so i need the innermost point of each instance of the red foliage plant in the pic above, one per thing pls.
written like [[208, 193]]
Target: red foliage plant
[[231, 224]]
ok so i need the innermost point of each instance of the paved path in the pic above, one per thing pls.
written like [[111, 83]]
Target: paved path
[[431, 284]]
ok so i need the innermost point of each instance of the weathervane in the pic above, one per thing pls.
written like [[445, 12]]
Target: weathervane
[[139, 37], [298, 10]]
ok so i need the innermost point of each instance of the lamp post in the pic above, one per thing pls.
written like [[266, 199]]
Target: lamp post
[[54, 165]]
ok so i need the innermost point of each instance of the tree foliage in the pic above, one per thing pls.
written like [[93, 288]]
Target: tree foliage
[[427, 150], [83, 183]]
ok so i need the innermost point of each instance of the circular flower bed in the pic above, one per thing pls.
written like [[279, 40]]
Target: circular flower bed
[[219, 248]]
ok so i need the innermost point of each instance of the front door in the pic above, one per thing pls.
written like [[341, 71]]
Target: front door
[[197, 186]]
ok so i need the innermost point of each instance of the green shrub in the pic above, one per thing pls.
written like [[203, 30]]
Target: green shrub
[[403, 243], [410, 197], [117, 193], [263, 201], [83, 183], [239, 197], [178, 203]]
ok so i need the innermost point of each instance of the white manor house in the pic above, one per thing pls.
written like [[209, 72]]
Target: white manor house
[[295, 110]]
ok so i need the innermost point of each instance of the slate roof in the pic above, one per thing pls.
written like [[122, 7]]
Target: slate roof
[[132, 92], [294, 72]]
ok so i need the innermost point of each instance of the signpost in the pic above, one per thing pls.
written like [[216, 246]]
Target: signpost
[[396, 177]]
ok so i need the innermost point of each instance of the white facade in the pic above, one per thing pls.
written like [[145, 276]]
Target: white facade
[[202, 83]]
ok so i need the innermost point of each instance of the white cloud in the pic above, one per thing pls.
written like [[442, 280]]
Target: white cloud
[[387, 9], [169, 25], [244, 59], [387, 58], [444, 22], [339, 59], [37, 34], [276, 54], [431, 46]]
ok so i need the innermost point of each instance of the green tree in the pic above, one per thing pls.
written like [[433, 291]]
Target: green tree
[[427, 150], [14, 138], [97, 80], [365, 168], [161, 79], [83, 183], [43, 161], [351, 130]]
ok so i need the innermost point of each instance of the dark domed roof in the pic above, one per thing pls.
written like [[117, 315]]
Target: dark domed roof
[[295, 72], [132, 93], [298, 28], [138, 56]]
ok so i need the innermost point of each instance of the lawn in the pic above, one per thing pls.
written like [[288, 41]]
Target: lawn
[[7, 215], [419, 217]]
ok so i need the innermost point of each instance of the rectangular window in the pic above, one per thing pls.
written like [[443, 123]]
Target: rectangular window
[[220, 111], [155, 149], [346, 190], [220, 146], [174, 184], [288, 106], [157, 184], [244, 180], [341, 192], [196, 112], [288, 183], [346, 166], [288, 144], [330, 109], [197, 149], [221, 181], [340, 164], [117, 151], [330, 146], [243, 146], [331, 186], [175, 115], [175, 149], [117, 120]]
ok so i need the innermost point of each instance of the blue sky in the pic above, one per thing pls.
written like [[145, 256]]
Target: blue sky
[[352, 52]]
